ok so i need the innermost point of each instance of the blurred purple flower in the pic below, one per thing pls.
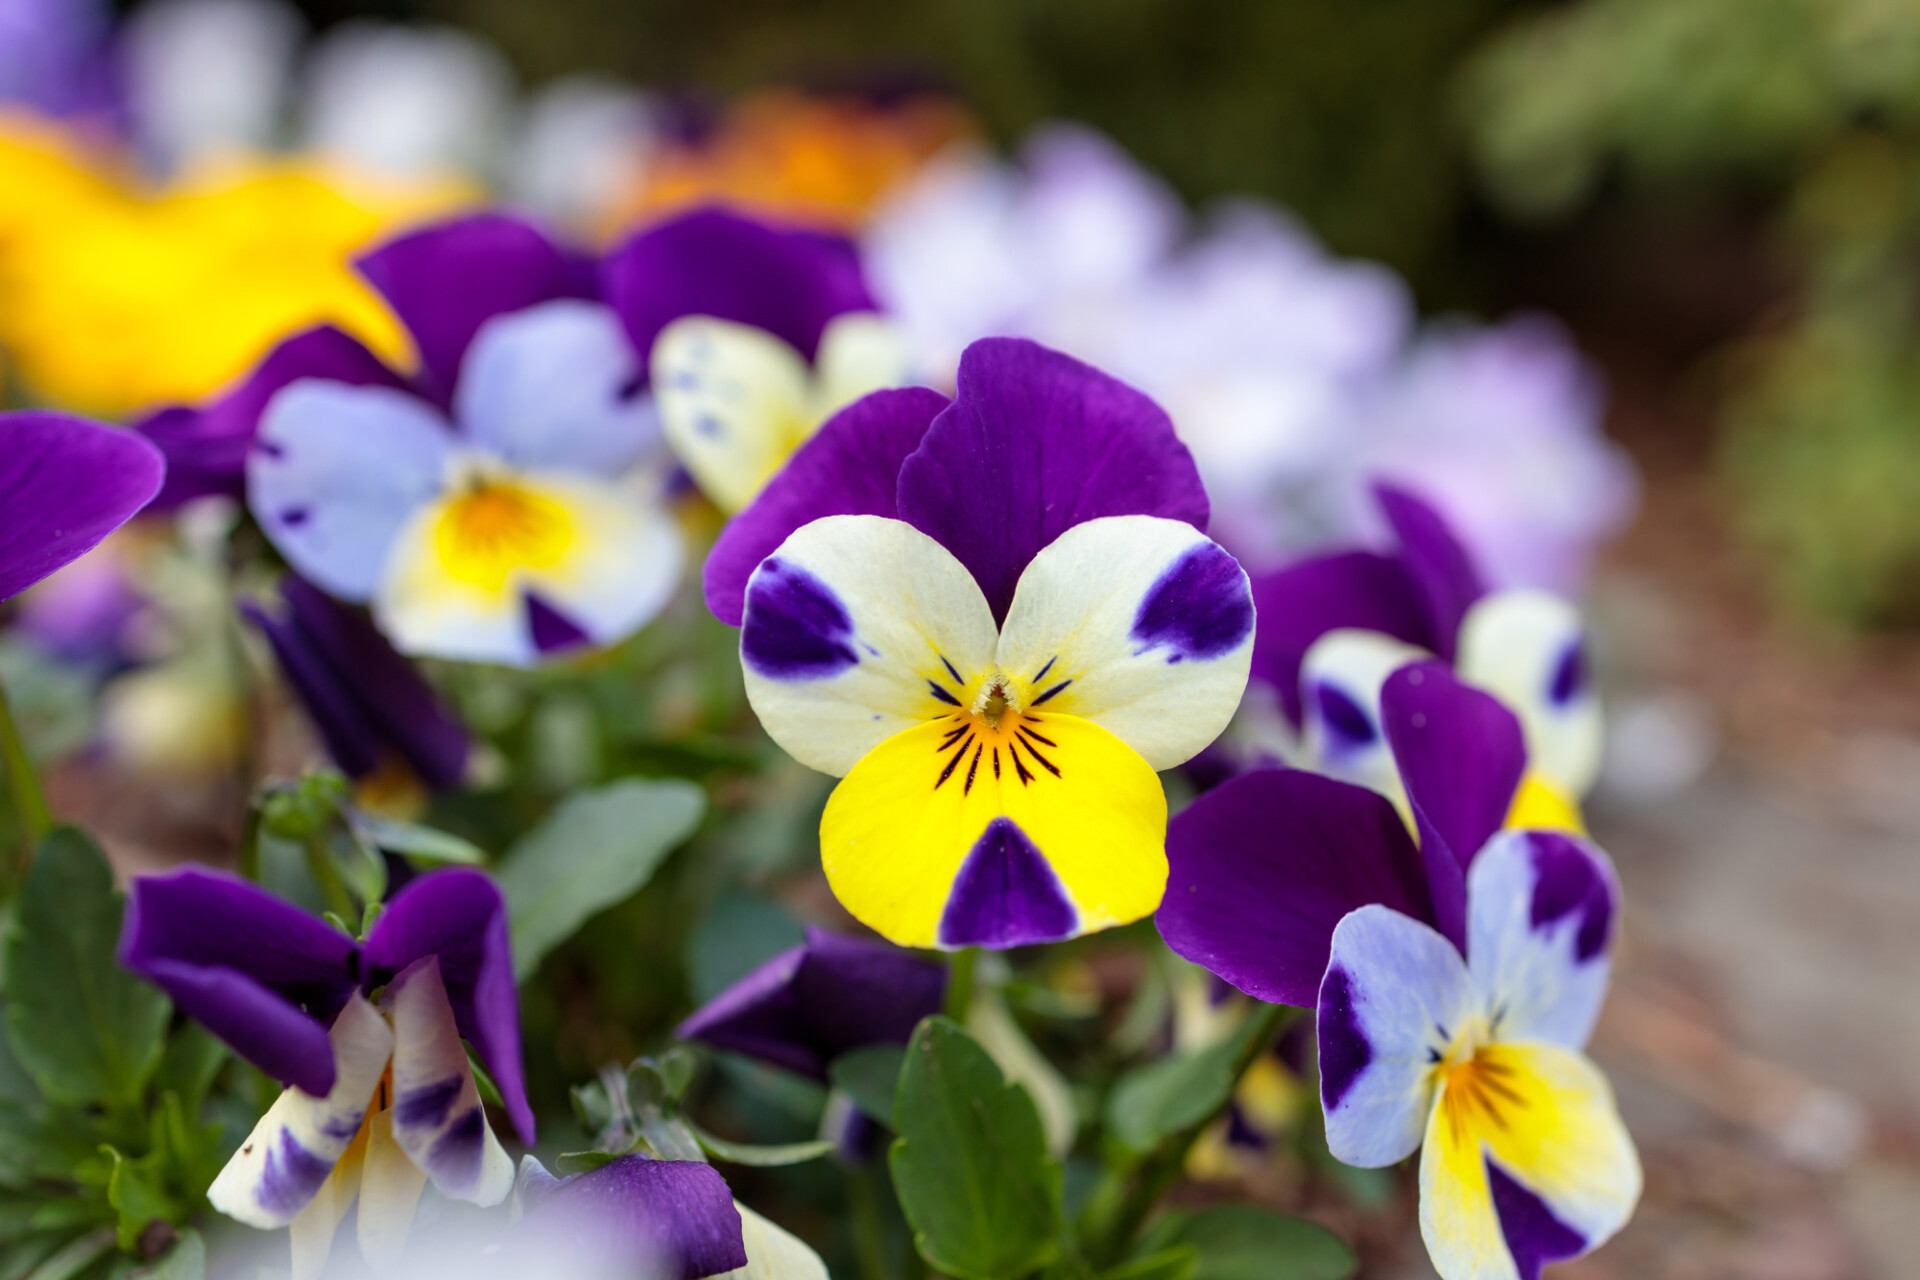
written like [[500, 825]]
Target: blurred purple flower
[[82, 613], [367, 701], [65, 483], [665, 1219], [811, 1003], [54, 55]]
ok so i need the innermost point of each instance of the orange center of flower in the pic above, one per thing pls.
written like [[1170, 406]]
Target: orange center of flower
[[483, 535], [1481, 1094]]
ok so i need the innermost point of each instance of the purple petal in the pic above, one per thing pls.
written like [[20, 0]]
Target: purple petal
[[258, 972], [712, 262], [1263, 867], [1035, 443], [1461, 755], [459, 916], [1295, 606], [206, 448], [1439, 566], [363, 697], [1006, 895], [445, 281], [671, 1219], [1533, 1234], [851, 467], [811, 1003], [65, 483]]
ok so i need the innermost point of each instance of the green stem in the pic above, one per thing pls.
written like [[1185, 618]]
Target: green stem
[[960, 967], [1164, 1167], [28, 801], [320, 863], [869, 1231]]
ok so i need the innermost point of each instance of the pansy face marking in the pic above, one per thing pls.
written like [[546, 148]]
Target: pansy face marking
[[999, 781]]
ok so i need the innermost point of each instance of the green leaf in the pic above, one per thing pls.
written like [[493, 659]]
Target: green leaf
[[971, 1165], [1174, 1094], [412, 841], [760, 1157], [84, 1029], [1243, 1242], [192, 1059], [138, 1195], [75, 1257], [597, 848], [572, 1162], [870, 1075], [186, 1259], [1176, 1263]]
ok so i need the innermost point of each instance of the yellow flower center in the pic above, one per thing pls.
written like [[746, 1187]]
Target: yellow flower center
[[1482, 1092], [496, 527]]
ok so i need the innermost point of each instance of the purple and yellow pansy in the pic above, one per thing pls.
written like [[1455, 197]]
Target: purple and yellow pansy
[[995, 617], [1457, 974], [1334, 627], [366, 1035]]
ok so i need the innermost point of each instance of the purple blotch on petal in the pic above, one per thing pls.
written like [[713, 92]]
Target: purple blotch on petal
[[1567, 881], [426, 1105], [455, 1157], [551, 630], [1569, 675], [1534, 1235], [795, 626], [1344, 1050], [1345, 719], [1006, 894], [1199, 608], [290, 1176]]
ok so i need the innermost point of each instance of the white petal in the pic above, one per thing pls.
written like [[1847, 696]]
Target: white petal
[[438, 1119], [850, 627], [390, 1187], [1142, 625], [1340, 682], [552, 387], [1395, 997], [860, 352], [311, 1234], [1540, 911], [292, 1151], [1529, 649], [337, 472], [734, 402], [773, 1253]]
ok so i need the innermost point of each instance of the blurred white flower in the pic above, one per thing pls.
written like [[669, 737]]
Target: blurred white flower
[[408, 101], [584, 143], [207, 76]]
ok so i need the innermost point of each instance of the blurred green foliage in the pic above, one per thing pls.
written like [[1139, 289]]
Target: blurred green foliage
[[1816, 104]]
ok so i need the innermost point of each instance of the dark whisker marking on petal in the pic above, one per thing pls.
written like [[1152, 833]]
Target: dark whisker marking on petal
[[1496, 1068], [953, 763], [957, 679], [1045, 763], [940, 692], [1511, 1095], [967, 788], [996, 762], [1018, 768], [1436, 1056], [1039, 737], [1049, 693], [1041, 674], [953, 736]]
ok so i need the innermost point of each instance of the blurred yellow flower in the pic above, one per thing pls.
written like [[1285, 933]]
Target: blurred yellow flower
[[822, 162], [114, 298]]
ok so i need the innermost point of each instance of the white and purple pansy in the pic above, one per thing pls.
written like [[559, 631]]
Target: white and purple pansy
[[367, 1036], [496, 507], [996, 617], [1456, 978], [751, 336], [1334, 627], [65, 483]]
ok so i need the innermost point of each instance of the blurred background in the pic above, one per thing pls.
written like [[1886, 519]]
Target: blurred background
[[1682, 234]]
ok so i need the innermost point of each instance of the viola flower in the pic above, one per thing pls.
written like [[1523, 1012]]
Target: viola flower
[[752, 337], [371, 707], [996, 617], [1336, 626], [65, 484], [365, 1034], [808, 1005], [1456, 980], [487, 511], [670, 1219]]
